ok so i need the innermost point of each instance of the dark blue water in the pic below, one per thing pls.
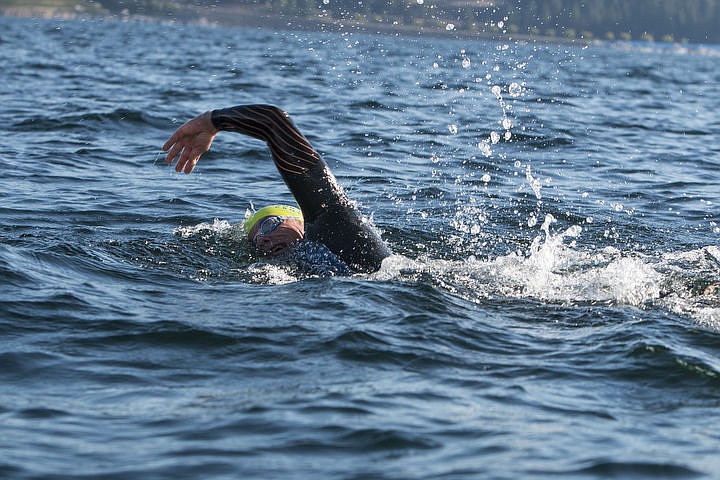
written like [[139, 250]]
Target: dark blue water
[[551, 309]]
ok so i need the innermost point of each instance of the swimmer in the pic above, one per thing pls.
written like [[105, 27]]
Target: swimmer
[[326, 218]]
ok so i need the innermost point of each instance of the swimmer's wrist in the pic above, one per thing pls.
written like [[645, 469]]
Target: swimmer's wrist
[[209, 118], [213, 116]]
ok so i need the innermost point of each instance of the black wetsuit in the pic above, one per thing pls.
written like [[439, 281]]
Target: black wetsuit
[[330, 218]]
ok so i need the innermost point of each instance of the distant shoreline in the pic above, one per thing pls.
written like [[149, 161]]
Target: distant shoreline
[[257, 17]]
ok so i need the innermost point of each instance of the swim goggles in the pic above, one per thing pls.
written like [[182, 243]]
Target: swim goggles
[[268, 225]]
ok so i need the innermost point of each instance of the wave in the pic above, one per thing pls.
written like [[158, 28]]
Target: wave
[[373, 105], [90, 121], [540, 141], [607, 469]]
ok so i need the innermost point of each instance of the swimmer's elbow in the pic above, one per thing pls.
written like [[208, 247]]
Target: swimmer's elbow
[[276, 112], [276, 120]]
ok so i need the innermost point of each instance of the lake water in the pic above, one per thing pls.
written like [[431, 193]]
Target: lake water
[[551, 309]]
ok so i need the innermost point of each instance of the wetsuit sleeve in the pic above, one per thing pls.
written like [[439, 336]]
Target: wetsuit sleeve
[[330, 218]]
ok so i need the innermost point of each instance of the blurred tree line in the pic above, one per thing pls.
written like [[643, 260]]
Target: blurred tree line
[[667, 20]]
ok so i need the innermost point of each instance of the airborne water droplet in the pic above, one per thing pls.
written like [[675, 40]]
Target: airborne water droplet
[[515, 89], [485, 148], [534, 183], [573, 231]]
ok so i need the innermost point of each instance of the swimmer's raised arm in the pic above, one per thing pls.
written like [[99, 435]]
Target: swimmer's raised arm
[[330, 218], [291, 152], [190, 141]]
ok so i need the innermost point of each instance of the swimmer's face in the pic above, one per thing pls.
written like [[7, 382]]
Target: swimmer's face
[[273, 235]]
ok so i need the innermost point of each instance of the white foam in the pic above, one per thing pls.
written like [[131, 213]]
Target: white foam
[[555, 271], [218, 226], [270, 274]]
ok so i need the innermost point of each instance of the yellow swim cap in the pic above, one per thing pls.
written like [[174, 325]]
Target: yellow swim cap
[[279, 210]]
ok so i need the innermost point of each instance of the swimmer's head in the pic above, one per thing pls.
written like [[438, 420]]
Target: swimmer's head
[[275, 228]]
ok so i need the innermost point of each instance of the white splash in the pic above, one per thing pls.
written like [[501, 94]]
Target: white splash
[[554, 271], [218, 226], [694, 284], [485, 149], [534, 183], [270, 274]]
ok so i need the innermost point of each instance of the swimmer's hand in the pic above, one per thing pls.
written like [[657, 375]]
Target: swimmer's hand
[[190, 141]]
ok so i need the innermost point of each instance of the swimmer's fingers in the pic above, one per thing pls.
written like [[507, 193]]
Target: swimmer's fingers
[[184, 154], [172, 140], [189, 142], [181, 135], [174, 151], [177, 143], [188, 159], [190, 165]]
